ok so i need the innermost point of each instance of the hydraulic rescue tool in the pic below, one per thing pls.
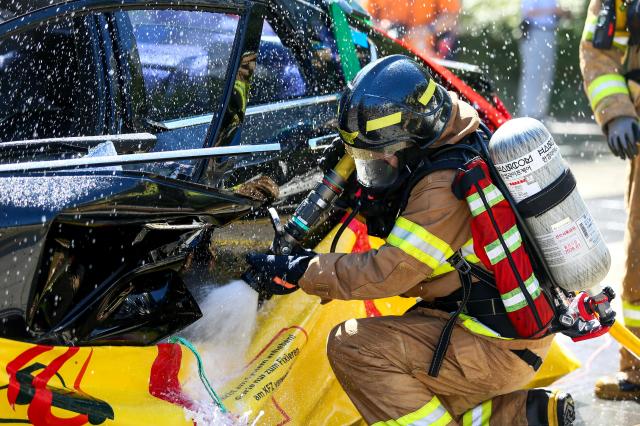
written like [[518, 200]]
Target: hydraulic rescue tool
[[288, 238]]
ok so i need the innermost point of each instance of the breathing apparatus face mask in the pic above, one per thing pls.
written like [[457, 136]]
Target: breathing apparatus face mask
[[378, 169]]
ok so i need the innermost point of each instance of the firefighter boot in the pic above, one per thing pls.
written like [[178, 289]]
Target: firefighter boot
[[617, 388], [550, 408]]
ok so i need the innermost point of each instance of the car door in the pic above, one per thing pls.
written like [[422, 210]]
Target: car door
[[175, 67], [64, 76]]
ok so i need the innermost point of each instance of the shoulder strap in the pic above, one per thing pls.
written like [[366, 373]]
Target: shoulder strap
[[448, 157]]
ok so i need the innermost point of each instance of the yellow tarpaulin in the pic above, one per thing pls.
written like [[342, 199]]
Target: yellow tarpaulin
[[286, 376]]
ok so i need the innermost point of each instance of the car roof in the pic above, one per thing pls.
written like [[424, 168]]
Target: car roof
[[10, 9]]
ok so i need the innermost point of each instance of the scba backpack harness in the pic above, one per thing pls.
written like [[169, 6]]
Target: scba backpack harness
[[522, 309]]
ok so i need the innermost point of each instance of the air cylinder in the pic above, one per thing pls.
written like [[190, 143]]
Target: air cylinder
[[540, 181]]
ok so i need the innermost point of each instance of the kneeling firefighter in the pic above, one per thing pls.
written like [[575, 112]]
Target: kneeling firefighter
[[434, 365]]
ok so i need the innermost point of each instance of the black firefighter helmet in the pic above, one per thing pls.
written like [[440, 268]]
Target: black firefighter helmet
[[392, 104]]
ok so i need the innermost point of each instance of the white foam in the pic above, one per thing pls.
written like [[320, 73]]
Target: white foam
[[222, 337]]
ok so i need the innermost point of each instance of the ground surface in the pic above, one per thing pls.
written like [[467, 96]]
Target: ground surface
[[601, 181]]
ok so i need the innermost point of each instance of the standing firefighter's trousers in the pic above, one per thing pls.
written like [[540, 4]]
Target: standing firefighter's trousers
[[631, 281], [382, 364]]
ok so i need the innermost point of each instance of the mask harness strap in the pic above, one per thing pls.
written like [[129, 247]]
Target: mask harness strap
[[344, 226]]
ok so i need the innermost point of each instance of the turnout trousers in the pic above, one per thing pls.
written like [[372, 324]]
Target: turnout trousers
[[382, 365], [629, 364]]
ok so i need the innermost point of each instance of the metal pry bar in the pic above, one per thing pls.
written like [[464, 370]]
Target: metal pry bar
[[151, 157]]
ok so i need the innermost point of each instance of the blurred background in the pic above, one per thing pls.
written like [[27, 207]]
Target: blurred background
[[489, 35]]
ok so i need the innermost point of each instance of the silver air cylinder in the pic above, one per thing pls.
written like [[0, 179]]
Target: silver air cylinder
[[529, 162]]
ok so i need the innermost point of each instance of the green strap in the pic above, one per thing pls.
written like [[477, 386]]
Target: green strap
[[203, 375], [346, 49]]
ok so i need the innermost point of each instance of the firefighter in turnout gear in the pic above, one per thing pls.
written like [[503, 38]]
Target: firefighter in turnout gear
[[393, 115], [610, 64]]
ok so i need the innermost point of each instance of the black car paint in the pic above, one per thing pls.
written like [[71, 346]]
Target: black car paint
[[102, 222], [138, 296]]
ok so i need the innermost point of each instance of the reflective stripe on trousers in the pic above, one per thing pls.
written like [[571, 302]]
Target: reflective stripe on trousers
[[432, 414]]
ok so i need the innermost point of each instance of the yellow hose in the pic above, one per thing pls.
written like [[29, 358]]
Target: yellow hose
[[626, 338], [345, 166]]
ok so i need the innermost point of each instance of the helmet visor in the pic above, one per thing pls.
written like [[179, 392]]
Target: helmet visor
[[377, 168]]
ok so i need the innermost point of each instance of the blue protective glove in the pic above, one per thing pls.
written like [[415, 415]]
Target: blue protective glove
[[271, 274]]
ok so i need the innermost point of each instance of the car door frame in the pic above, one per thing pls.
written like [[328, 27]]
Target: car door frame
[[224, 124]]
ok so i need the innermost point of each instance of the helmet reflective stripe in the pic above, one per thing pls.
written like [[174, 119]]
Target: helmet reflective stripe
[[428, 94], [478, 415], [432, 414], [419, 243], [631, 314], [382, 122], [348, 137], [394, 98]]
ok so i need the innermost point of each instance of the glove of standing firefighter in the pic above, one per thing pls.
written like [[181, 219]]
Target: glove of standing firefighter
[[623, 135], [272, 274]]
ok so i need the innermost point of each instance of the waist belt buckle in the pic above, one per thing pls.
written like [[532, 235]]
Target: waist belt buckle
[[460, 263]]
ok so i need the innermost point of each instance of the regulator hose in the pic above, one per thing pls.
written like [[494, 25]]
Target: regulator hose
[[626, 338], [344, 225]]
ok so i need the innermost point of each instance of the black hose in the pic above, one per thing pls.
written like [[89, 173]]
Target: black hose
[[344, 225]]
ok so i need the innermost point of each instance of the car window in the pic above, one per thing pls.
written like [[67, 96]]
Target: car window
[[184, 56], [48, 82], [277, 75]]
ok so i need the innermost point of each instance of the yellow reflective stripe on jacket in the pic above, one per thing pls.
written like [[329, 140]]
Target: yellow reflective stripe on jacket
[[631, 314], [478, 416], [467, 253], [620, 38], [589, 28], [476, 327], [606, 85], [416, 241], [432, 414]]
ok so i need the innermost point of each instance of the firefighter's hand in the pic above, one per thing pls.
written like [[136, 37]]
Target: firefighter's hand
[[273, 274], [623, 135]]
